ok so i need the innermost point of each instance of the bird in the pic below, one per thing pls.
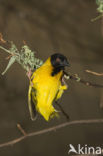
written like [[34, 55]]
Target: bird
[[47, 86]]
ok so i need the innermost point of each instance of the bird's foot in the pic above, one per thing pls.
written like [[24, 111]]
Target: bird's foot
[[29, 73]]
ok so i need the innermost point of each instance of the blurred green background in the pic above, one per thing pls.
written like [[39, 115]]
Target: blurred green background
[[50, 26]]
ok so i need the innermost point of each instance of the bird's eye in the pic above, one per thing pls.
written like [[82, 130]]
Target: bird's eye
[[58, 60]]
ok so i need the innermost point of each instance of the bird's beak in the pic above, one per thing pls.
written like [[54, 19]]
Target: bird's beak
[[66, 63]]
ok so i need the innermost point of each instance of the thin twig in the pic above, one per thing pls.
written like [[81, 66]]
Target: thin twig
[[1, 39], [90, 121], [96, 18], [21, 129], [62, 110], [94, 73], [5, 49], [87, 83]]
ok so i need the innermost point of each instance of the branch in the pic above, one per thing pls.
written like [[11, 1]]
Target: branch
[[5, 50], [25, 57], [21, 129], [94, 73], [96, 18], [87, 83], [90, 121], [62, 110], [99, 9]]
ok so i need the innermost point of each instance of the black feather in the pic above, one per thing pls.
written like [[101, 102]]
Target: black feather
[[58, 62]]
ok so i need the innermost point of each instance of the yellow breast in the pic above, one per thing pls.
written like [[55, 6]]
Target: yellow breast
[[47, 87]]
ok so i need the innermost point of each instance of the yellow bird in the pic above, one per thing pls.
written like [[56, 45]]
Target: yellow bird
[[46, 86]]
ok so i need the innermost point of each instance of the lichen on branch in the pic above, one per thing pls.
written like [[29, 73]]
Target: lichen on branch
[[99, 10], [25, 57], [100, 6]]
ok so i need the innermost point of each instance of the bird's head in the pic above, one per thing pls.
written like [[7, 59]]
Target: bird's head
[[59, 62]]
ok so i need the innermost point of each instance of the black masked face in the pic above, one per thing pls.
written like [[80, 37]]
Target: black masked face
[[59, 62]]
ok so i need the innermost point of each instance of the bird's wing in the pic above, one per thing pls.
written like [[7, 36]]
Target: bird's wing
[[32, 102]]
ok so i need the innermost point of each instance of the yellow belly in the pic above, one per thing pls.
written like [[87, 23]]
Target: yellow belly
[[47, 87]]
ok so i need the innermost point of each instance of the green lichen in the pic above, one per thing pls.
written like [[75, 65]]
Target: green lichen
[[100, 6], [99, 9], [25, 57]]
